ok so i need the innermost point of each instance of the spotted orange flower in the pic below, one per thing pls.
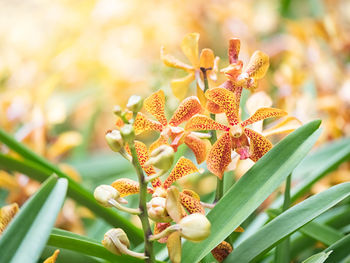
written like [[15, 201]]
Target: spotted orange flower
[[206, 60], [171, 130], [246, 142], [239, 77]]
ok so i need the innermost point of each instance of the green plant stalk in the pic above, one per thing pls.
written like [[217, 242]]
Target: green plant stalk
[[282, 250], [142, 205], [219, 182]]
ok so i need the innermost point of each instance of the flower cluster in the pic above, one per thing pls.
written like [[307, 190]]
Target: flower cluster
[[179, 213]]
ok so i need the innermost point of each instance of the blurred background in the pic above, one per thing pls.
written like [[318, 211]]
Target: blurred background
[[64, 64]]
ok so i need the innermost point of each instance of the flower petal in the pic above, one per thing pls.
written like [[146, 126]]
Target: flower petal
[[142, 124], [259, 145], [221, 251], [53, 258], [197, 146], [262, 114], [154, 104], [204, 123], [206, 59], [226, 100], [160, 227], [200, 95], [180, 86], [191, 193], [220, 155], [188, 107], [191, 204], [126, 186], [160, 141], [65, 142], [258, 65], [171, 61], [173, 204], [182, 168], [258, 100], [234, 47], [6, 214], [174, 247], [189, 47], [287, 125]]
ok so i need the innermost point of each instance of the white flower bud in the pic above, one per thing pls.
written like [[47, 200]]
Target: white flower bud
[[195, 227], [134, 103], [114, 140], [162, 157], [111, 238], [157, 211], [104, 193]]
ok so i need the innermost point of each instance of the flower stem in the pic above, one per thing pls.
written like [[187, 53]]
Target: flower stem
[[219, 182], [149, 253]]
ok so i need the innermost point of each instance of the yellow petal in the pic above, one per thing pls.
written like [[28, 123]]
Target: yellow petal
[[191, 204], [233, 50], [64, 143], [7, 213], [160, 141], [188, 107], [189, 47], [206, 59], [191, 193], [201, 96], [142, 124], [258, 65], [204, 123], [259, 145], [197, 146], [221, 251], [219, 156], [173, 204], [226, 100], [180, 86], [126, 186], [182, 168], [8, 181], [174, 247], [154, 104], [287, 125], [258, 100], [53, 258], [171, 61], [262, 114], [239, 229]]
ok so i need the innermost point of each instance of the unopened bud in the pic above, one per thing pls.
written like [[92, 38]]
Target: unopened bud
[[104, 193], [128, 133], [157, 211], [114, 140], [117, 110], [195, 227], [114, 239], [162, 157], [134, 103]]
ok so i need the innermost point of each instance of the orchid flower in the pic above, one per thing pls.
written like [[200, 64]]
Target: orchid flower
[[236, 134], [154, 104], [206, 60]]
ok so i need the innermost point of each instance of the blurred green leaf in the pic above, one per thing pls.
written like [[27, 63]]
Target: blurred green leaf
[[25, 238], [39, 168], [323, 233], [288, 222], [68, 240], [318, 258], [340, 250], [253, 188]]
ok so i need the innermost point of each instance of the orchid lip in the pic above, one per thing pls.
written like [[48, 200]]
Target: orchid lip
[[236, 131]]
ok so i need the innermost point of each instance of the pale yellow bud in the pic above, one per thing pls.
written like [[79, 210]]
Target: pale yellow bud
[[114, 140], [104, 193], [128, 133], [157, 211], [134, 103], [115, 240], [195, 227], [117, 110], [162, 157]]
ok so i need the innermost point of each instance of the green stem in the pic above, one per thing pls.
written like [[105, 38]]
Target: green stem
[[219, 182], [149, 253], [282, 253]]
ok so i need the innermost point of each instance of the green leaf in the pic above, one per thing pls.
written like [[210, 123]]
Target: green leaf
[[253, 188], [288, 222], [323, 233], [340, 250], [68, 240], [39, 168], [318, 258], [26, 236]]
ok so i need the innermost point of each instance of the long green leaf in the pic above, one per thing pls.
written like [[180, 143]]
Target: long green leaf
[[318, 258], [26, 236], [75, 191], [287, 223], [340, 250], [253, 188], [68, 240]]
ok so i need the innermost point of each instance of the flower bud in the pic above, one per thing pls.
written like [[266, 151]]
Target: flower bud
[[117, 110], [111, 238], [128, 133], [104, 193], [114, 140], [157, 211], [134, 103], [195, 227], [162, 157]]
